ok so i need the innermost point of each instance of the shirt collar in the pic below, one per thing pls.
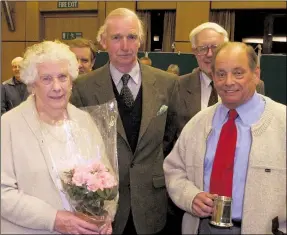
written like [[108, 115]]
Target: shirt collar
[[247, 112], [16, 81], [205, 79], [117, 75]]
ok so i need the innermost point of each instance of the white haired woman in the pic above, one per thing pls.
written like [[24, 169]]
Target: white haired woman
[[30, 199]]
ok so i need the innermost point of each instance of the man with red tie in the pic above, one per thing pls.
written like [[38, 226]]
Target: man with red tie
[[236, 148]]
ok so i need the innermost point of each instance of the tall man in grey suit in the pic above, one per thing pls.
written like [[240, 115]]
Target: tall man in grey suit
[[196, 89], [147, 99]]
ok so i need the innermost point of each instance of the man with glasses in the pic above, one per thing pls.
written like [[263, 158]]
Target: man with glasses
[[196, 89]]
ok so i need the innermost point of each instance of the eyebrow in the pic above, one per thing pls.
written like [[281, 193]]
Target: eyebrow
[[238, 68]]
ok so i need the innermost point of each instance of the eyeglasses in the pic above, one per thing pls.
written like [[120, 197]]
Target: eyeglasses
[[203, 50], [47, 80]]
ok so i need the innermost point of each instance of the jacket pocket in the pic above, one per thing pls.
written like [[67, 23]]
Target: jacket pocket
[[158, 181]]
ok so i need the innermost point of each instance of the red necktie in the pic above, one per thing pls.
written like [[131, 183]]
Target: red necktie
[[222, 169]]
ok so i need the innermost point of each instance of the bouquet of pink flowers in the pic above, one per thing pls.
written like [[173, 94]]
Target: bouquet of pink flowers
[[89, 187]]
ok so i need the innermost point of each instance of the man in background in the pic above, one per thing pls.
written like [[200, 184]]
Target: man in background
[[196, 89], [85, 51], [13, 90], [173, 68], [146, 60]]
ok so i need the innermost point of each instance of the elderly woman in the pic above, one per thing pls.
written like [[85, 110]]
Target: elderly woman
[[33, 141]]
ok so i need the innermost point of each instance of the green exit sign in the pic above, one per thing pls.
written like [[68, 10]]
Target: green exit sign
[[67, 4], [71, 35]]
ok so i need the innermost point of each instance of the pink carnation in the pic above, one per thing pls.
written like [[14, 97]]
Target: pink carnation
[[95, 176], [80, 176], [98, 166], [94, 183], [107, 179]]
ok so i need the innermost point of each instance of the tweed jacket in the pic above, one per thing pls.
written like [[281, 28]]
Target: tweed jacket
[[265, 190], [29, 196], [190, 95], [10, 96], [142, 184]]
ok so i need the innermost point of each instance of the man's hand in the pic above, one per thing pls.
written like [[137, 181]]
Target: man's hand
[[202, 204], [67, 223]]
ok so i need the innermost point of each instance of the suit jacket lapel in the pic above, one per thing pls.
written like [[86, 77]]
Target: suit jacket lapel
[[104, 93], [150, 100], [193, 93], [30, 115]]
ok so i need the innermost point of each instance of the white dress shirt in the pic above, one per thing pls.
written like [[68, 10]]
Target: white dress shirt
[[134, 83], [205, 89]]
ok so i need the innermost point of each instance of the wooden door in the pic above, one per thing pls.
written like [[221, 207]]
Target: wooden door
[[65, 26]]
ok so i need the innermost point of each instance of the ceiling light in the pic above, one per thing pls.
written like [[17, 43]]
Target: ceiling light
[[253, 40], [260, 40], [279, 39], [156, 38]]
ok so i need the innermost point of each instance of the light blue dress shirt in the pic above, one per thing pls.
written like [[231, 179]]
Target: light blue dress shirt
[[249, 113]]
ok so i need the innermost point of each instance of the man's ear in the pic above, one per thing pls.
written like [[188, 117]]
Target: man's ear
[[193, 50], [93, 62], [31, 88], [256, 75], [103, 42]]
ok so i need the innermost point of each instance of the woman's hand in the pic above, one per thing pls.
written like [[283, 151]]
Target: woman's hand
[[106, 228], [67, 223]]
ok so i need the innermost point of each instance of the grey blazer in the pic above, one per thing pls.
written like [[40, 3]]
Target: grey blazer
[[10, 96], [142, 184], [190, 95]]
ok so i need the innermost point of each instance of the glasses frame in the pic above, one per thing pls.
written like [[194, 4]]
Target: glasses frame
[[211, 47]]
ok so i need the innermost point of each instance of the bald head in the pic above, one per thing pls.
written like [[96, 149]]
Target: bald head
[[237, 46], [235, 73], [16, 60], [16, 67]]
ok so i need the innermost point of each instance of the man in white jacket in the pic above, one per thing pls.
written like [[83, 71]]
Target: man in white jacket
[[259, 168]]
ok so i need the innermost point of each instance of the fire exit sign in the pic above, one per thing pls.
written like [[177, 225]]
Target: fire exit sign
[[71, 35], [67, 4]]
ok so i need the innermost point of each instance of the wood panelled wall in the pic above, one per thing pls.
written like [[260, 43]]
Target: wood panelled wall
[[188, 15]]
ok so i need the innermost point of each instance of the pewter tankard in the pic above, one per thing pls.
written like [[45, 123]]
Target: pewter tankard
[[221, 215]]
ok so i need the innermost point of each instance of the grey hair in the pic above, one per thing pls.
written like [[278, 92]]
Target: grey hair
[[43, 52], [120, 12], [16, 59], [208, 25]]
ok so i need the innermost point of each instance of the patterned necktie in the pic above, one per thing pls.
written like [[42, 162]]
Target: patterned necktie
[[222, 169], [213, 95], [126, 93]]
